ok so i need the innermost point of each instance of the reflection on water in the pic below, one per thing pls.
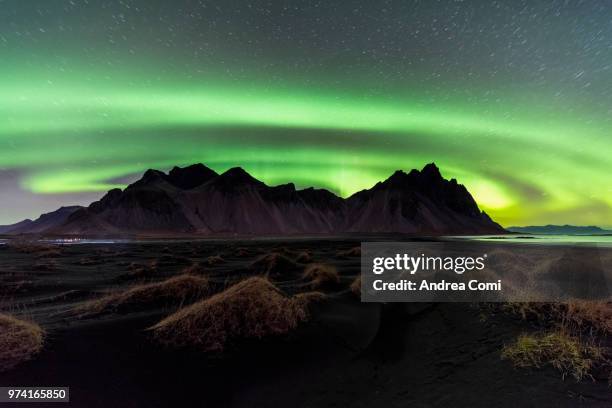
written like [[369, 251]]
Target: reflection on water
[[75, 241], [581, 240], [588, 240]]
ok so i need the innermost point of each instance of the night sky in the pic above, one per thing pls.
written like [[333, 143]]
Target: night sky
[[512, 98]]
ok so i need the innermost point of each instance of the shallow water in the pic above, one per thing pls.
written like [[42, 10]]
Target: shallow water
[[583, 240]]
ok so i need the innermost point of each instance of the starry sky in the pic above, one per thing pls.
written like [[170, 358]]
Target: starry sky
[[513, 98]]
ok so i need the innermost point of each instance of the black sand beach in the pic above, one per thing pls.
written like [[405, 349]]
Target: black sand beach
[[347, 354]]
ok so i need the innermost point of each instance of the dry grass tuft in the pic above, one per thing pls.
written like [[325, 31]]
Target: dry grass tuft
[[355, 251], [194, 269], [577, 316], [172, 260], [303, 257], [321, 275], [300, 256], [19, 341], [587, 316], [309, 298], [356, 286], [138, 271], [242, 252], [251, 309], [567, 354], [274, 264], [563, 346], [174, 291], [214, 260]]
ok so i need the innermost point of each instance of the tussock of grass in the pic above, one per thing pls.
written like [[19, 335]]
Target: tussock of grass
[[565, 353], [138, 271], [214, 260], [578, 316], [19, 341], [303, 257], [251, 309], [308, 298], [242, 252], [355, 251], [171, 260], [274, 263], [321, 275], [174, 291], [300, 256], [588, 315], [561, 346], [356, 286], [194, 269]]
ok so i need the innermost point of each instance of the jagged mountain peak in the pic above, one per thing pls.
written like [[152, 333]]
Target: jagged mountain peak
[[236, 178], [190, 176], [237, 174], [430, 174], [431, 170], [149, 178], [153, 174], [184, 178]]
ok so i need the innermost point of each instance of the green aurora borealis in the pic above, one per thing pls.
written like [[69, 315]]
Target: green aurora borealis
[[73, 124]]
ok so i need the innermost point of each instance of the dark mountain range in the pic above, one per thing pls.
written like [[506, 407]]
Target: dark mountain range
[[41, 224], [417, 202], [197, 200], [5, 229], [560, 230]]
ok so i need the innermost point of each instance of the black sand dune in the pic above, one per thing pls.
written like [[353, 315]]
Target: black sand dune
[[348, 353]]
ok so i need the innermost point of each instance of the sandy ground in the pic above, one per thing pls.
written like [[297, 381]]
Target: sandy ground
[[349, 354]]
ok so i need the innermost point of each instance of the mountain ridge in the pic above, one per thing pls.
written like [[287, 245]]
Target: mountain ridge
[[198, 200], [566, 229], [42, 223]]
